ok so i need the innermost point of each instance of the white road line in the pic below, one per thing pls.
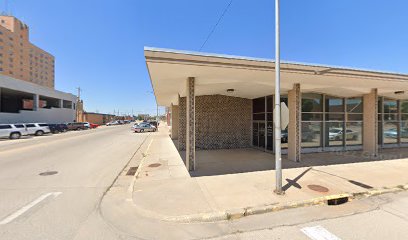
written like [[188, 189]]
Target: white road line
[[319, 233], [24, 209]]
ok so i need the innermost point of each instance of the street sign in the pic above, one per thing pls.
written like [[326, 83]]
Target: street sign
[[284, 114]]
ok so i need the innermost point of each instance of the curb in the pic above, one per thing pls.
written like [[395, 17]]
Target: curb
[[261, 209]]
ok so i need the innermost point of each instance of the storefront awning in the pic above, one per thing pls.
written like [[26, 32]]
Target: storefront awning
[[253, 77]]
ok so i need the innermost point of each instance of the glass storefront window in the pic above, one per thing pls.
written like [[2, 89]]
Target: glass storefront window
[[311, 134], [312, 102], [390, 106], [334, 104], [312, 117], [354, 133], [404, 106], [258, 105], [334, 133], [354, 105], [404, 131], [390, 132]]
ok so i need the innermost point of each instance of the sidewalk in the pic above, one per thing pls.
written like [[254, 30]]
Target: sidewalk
[[164, 190]]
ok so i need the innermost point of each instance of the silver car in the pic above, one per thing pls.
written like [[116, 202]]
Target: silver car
[[144, 127]]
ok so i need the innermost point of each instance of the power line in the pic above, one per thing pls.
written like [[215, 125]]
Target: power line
[[215, 26]]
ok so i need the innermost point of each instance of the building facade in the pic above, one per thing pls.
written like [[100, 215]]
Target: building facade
[[27, 91], [19, 58], [220, 101]]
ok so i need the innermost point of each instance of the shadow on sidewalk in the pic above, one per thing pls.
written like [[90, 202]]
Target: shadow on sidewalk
[[231, 161]]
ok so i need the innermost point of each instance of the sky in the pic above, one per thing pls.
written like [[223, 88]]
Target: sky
[[98, 45]]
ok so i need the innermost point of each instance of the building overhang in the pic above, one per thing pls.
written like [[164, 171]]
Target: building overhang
[[254, 77]]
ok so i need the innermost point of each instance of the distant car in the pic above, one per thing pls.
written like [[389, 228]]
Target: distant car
[[87, 125], [58, 127], [37, 129], [93, 125], [144, 127], [13, 131], [76, 126], [112, 123], [154, 123]]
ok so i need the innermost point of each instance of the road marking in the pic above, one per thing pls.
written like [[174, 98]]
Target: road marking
[[319, 233], [24, 209]]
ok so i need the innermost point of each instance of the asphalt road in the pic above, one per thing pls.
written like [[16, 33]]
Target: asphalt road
[[66, 205], [58, 206]]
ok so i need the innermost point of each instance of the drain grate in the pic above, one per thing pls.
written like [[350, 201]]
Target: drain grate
[[131, 171], [337, 201], [318, 188], [155, 165], [48, 173]]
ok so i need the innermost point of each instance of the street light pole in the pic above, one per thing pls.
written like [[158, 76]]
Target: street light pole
[[278, 155]]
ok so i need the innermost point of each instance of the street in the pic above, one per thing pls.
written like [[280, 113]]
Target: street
[[52, 187], [86, 162]]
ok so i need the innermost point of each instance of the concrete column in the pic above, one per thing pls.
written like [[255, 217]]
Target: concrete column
[[190, 124], [61, 103], [0, 99], [370, 123], [174, 121], [36, 102], [294, 127]]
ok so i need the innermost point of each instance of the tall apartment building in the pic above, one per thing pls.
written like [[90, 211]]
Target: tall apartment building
[[21, 59]]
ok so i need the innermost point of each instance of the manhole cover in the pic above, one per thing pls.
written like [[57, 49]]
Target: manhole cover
[[155, 165], [48, 173], [318, 188], [131, 171]]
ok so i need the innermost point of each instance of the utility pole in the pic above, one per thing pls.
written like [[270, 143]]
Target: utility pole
[[278, 156], [79, 93]]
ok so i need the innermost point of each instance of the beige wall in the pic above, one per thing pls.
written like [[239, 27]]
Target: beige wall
[[19, 58]]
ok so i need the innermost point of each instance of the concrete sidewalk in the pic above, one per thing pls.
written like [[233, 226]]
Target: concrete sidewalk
[[164, 190]]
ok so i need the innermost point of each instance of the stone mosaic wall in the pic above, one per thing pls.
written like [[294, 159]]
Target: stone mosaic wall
[[222, 122]]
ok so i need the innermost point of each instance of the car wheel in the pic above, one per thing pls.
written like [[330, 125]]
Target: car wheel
[[39, 133], [15, 135], [141, 130]]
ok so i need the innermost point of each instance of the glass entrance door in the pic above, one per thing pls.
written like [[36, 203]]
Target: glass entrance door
[[258, 134]]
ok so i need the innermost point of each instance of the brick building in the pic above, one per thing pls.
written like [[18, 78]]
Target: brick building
[[19, 58]]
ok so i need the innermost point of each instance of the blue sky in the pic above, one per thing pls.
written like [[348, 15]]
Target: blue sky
[[98, 45]]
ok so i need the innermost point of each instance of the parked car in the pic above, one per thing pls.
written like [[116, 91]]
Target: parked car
[[87, 125], [37, 129], [76, 126], [58, 127], [112, 123], [144, 127], [13, 131], [154, 123], [93, 125], [284, 136]]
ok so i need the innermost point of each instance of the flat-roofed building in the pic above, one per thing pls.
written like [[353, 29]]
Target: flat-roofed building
[[19, 58], [224, 102]]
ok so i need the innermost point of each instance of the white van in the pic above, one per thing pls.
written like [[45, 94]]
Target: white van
[[13, 131]]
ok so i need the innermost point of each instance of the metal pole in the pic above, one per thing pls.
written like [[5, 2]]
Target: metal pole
[[278, 157]]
